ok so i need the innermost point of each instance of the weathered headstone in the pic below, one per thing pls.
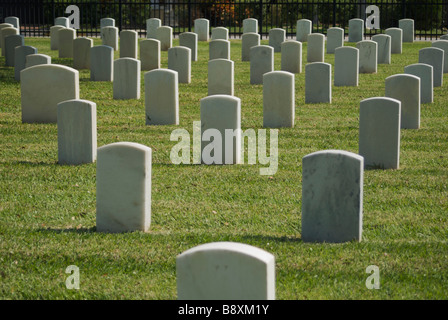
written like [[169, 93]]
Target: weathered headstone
[[150, 54], [20, 54], [346, 66], [248, 40], [165, 36], [276, 37], [107, 22], [11, 42], [316, 48], [407, 25], [109, 37], [36, 59], [278, 99], [303, 29], [332, 196], [406, 88], [223, 114], [81, 53], [161, 97], [62, 21], [396, 40], [384, 50], [219, 49], [128, 44], [43, 87], [54, 37], [261, 61], [424, 72], [335, 39], [250, 25], [355, 30], [5, 32], [190, 40], [14, 21], [442, 44], [435, 57], [220, 33], [291, 56], [368, 56], [123, 187], [202, 28], [152, 25], [379, 132], [179, 59], [77, 139], [225, 271], [101, 63], [318, 82], [126, 83], [220, 77], [65, 43]]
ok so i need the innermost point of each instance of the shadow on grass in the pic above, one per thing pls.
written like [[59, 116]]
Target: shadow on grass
[[264, 239], [68, 230], [34, 164]]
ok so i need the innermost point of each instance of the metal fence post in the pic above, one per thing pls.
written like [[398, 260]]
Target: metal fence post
[[120, 18], [261, 19]]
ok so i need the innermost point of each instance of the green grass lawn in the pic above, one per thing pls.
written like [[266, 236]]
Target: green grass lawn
[[47, 210]]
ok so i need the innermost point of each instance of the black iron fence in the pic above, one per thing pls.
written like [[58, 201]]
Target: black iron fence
[[37, 16]]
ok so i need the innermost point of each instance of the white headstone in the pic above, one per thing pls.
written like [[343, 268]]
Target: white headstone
[[107, 22], [190, 40], [128, 44], [407, 25], [109, 37], [220, 77], [379, 132], [36, 59], [123, 187], [10, 44], [250, 25], [161, 97], [65, 43], [424, 72], [346, 66], [165, 36], [316, 48], [4, 25], [335, 39], [318, 82], [126, 83], [304, 28], [150, 54], [152, 25], [223, 144], [368, 56], [20, 54], [278, 99], [332, 196], [14, 21], [225, 271], [384, 50], [77, 142], [355, 30], [435, 57], [202, 28], [276, 37], [81, 53], [219, 49], [179, 59], [62, 21], [291, 56], [248, 40], [442, 44], [396, 37], [406, 88], [5, 32], [101, 63], [261, 61], [220, 33], [43, 87], [54, 37]]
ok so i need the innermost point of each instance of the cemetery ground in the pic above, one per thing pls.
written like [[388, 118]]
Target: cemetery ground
[[47, 210]]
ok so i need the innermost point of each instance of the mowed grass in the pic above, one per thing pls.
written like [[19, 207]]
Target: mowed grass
[[48, 210]]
